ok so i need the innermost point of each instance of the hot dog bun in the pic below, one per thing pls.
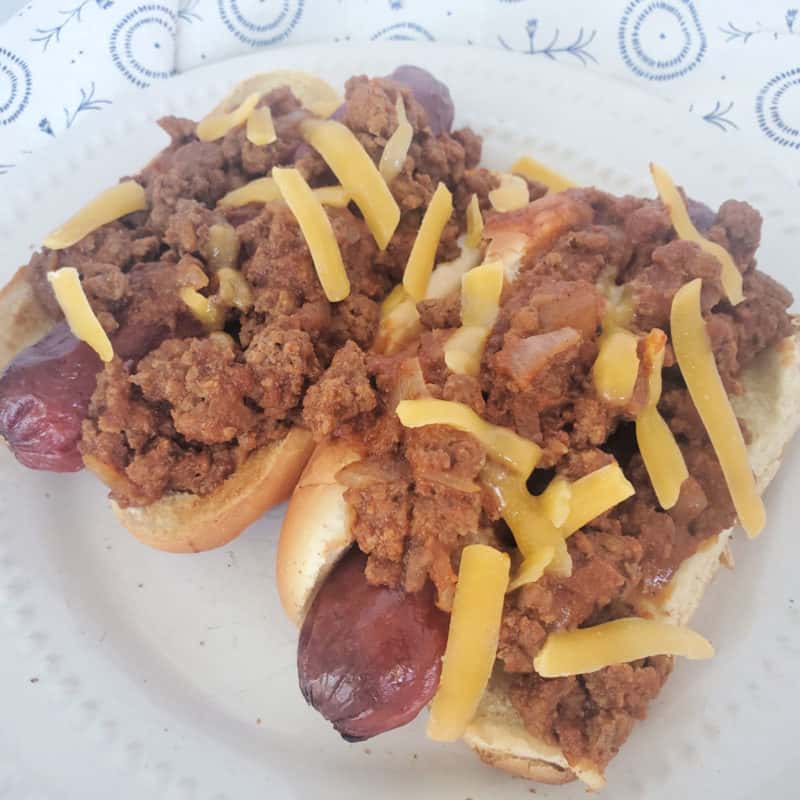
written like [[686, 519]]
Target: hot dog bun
[[316, 531]]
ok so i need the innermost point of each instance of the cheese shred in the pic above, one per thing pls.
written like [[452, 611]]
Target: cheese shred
[[699, 369], [471, 642], [317, 230], [83, 323], [679, 216], [620, 641]]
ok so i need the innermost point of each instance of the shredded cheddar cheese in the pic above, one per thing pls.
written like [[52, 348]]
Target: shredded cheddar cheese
[[265, 190], [556, 500], [260, 128], [660, 452], [209, 313], [216, 125], [334, 196], [113, 203], [532, 529], [480, 303], [617, 365], [532, 568], [620, 641], [511, 194], [423, 252], [357, 173], [471, 641], [501, 443], [396, 149], [534, 170], [66, 285], [474, 222], [317, 230], [399, 321], [699, 369], [679, 216], [594, 494]]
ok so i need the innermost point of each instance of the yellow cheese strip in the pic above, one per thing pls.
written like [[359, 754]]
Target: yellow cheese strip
[[334, 196], [556, 500], [215, 126], [260, 129], [357, 173], [396, 149], [464, 349], [66, 284], [616, 367], [594, 494], [399, 323], [618, 642], [393, 300], [511, 194], [471, 641], [211, 315], [532, 568], [684, 227], [480, 303], [113, 203], [660, 452], [423, 252], [261, 190], [474, 223], [534, 170], [317, 231], [501, 443], [265, 190], [531, 528], [480, 295], [699, 370]]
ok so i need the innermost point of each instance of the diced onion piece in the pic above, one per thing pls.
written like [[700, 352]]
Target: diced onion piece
[[594, 494], [534, 170], [511, 194], [471, 642], [474, 222], [660, 452], [464, 349], [83, 323], [334, 196], [317, 230], [698, 367], [556, 500], [501, 443], [531, 528], [532, 568], [113, 203], [396, 149], [215, 126], [446, 277], [618, 642], [357, 173], [480, 295], [222, 246], [234, 289], [204, 308], [260, 128], [423, 252], [261, 190], [679, 216], [616, 367]]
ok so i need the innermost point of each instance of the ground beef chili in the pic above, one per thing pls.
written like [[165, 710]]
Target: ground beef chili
[[418, 499], [179, 409]]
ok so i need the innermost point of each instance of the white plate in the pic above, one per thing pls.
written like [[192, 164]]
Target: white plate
[[131, 673]]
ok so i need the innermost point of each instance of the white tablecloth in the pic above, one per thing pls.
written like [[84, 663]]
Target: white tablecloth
[[733, 63]]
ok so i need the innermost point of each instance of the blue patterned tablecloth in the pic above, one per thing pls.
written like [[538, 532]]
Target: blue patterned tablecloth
[[733, 63]]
